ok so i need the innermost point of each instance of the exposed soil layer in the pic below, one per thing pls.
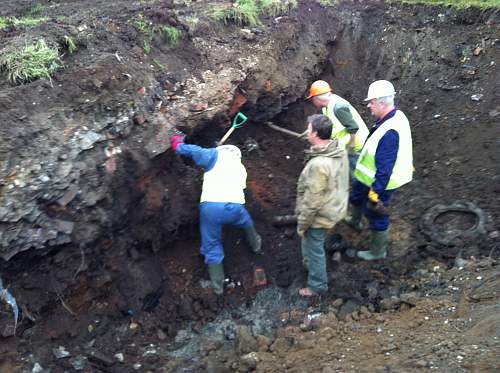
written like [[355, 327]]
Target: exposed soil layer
[[98, 218]]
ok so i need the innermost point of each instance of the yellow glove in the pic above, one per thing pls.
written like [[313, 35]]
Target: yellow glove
[[373, 196]]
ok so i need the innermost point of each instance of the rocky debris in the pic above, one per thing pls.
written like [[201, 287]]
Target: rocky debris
[[100, 358], [78, 362], [410, 298], [89, 139], [263, 342], [281, 344], [37, 368], [244, 342], [249, 361], [161, 142], [60, 352]]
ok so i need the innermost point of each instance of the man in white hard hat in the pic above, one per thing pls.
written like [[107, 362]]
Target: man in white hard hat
[[222, 202], [348, 127], [385, 164]]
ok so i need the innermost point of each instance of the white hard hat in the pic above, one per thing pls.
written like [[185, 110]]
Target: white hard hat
[[380, 88]]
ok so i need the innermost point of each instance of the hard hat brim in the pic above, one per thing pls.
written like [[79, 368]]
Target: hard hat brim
[[372, 98], [317, 94]]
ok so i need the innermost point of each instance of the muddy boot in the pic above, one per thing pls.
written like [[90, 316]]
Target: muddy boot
[[216, 273], [254, 240], [354, 221], [378, 248]]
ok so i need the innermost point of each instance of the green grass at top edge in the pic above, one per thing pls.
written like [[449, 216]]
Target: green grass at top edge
[[172, 34], [275, 8], [459, 4], [247, 12], [21, 22], [34, 61], [37, 10], [241, 13]]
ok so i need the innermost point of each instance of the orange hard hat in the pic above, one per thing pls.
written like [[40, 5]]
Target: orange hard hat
[[318, 88]]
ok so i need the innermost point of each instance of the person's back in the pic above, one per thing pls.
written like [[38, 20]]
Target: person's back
[[330, 164], [226, 180]]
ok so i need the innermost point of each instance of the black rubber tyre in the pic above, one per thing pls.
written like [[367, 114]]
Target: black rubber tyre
[[449, 237]]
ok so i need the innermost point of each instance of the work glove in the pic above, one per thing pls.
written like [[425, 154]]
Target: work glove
[[373, 196], [176, 140], [375, 204]]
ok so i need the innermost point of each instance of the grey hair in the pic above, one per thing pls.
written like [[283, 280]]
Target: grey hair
[[388, 100]]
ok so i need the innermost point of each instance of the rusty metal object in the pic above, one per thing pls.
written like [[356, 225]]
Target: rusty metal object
[[259, 277]]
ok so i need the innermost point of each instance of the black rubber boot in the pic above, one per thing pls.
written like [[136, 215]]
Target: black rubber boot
[[378, 247], [254, 240], [354, 220], [216, 273]]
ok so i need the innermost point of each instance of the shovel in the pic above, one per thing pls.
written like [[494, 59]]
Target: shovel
[[238, 122], [284, 130]]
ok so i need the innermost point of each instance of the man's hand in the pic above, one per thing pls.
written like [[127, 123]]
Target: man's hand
[[301, 231], [375, 204], [176, 140]]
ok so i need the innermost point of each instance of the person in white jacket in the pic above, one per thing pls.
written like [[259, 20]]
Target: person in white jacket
[[222, 202]]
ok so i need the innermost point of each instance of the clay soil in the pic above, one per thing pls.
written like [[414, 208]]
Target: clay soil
[[119, 289]]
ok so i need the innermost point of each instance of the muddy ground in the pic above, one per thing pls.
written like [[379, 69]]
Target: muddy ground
[[98, 219]]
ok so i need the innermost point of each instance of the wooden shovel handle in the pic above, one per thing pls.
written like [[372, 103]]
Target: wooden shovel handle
[[284, 130], [228, 133]]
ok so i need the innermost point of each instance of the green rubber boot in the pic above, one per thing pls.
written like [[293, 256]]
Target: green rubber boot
[[354, 220], [254, 240], [378, 248], [216, 273]]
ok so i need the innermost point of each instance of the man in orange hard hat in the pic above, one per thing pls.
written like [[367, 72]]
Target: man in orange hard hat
[[348, 126]]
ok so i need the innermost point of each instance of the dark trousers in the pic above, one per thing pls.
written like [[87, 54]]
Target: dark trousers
[[359, 197]]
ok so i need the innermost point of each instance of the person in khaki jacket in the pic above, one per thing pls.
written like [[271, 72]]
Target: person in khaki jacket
[[322, 198]]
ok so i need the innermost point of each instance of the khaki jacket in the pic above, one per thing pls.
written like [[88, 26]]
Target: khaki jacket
[[323, 188]]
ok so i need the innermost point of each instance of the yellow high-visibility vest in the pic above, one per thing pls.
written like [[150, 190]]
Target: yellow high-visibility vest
[[339, 132], [402, 172]]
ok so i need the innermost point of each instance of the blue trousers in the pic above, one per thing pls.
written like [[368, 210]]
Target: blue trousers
[[359, 197], [313, 254], [213, 215]]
